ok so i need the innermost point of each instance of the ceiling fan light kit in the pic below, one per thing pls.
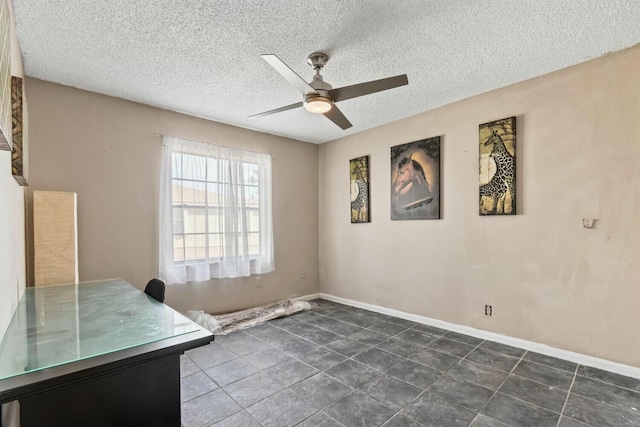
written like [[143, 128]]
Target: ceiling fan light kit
[[320, 97], [317, 104]]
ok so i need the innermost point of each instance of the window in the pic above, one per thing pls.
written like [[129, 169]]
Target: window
[[200, 208], [215, 213]]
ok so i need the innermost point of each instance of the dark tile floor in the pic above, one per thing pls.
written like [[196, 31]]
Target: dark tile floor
[[342, 366]]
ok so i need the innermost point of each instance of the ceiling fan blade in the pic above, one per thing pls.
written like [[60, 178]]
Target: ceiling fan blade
[[277, 110], [353, 91], [336, 116], [289, 74]]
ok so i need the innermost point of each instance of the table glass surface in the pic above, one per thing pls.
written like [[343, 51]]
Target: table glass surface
[[55, 325]]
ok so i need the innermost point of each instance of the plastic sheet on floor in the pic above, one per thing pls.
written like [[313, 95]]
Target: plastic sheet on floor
[[223, 324]]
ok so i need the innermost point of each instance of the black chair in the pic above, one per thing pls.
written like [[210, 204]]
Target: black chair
[[155, 289]]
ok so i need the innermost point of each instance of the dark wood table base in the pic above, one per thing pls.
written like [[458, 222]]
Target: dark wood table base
[[146, 394]]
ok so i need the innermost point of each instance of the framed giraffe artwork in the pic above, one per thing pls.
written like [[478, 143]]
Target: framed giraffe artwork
[[415, 180], [360, 208], [498, 167]]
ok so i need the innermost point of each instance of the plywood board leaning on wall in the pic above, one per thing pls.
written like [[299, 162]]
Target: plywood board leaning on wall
[[55, 237]]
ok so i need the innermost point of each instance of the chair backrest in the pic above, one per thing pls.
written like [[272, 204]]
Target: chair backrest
[[155, 289]]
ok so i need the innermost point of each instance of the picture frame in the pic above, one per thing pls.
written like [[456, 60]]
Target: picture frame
[[415, 180], [19, 131], [360, 202], [497, 167]]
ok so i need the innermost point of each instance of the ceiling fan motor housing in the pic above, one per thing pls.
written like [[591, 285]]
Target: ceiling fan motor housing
[[320, 102], [319, 84]]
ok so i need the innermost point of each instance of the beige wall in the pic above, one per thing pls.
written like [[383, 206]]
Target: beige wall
[[105, 149], [549, 279], [12, 240], [12, 251], [12, 231]]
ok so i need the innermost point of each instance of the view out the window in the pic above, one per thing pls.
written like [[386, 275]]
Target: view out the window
[[200, 207]]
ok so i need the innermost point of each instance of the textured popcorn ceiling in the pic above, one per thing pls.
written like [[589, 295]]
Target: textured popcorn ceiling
[[202, 57]]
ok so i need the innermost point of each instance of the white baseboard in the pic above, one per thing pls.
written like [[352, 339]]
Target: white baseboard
[[307, 297], [582, 359]]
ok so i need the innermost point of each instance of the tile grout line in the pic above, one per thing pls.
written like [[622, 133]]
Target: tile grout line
[[414, 327], [516, 375], [498, 388], [566, 400], [242, 408], [380, 372], [404, 358], [543, 384], [259, 371], [302, 361], [265, 398], [353, 389], [461, 359], [533, 381], [321, 411], [510, 373], [637, 391], [443, 373], [437, 337]]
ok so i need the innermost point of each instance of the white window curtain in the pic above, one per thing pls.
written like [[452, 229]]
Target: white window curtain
[[212, 201]]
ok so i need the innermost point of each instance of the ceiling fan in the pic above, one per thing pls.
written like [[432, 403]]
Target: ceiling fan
[[318, 96]]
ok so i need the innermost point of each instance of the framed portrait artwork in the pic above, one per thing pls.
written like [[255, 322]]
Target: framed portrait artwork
[[415, 180]]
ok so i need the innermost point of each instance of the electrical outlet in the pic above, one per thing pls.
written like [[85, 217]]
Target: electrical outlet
[[488, 310], [303, 275]]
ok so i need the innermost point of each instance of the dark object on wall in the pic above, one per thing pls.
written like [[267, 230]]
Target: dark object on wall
[[498, 167], [5, 78], [155, 289], [415, 180], [19, 131], [360, 207]]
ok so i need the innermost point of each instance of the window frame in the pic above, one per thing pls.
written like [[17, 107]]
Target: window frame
[[250, 249]]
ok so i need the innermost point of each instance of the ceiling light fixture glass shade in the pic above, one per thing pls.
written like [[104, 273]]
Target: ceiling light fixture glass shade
[[318, 104]]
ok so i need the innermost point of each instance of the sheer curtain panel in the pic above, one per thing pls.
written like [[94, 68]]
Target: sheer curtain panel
[[215, 212]]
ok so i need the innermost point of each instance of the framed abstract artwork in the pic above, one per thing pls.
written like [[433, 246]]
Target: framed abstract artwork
[[498, 167], [5, 79], [360, 207], [415, 180], [19, 131]]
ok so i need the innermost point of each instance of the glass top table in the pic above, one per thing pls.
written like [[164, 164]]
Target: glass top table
[[59, 325]]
